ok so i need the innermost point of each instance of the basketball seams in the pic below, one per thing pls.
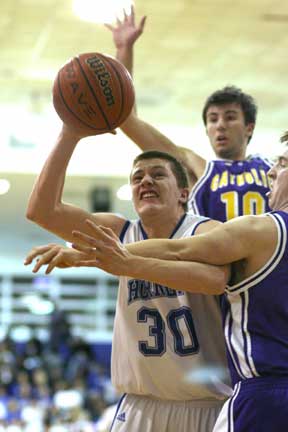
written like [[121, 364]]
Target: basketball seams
[[126, 90], [71, 111], [120, 84], [92, 91]]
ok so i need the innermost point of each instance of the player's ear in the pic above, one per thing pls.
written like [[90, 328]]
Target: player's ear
[[250, 129], [184, 195]]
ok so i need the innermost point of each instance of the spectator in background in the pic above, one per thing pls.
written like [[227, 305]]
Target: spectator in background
[[27, 402], [79, 360], [60, 332], [7, 363]]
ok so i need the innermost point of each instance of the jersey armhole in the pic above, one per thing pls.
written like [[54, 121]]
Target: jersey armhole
[[123, 231], [201, 180], [269, 266], [199, 223]]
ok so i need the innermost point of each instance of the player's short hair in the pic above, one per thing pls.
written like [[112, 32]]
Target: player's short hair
[[177, 168], [284, 138], [232, 94]]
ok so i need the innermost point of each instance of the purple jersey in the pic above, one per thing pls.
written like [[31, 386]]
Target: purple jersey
[[256, 316], [232, 188]]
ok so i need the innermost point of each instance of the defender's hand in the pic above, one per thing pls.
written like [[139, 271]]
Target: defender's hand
[[126, 32]]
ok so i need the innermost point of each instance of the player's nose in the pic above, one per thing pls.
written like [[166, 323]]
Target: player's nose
[[221, 123], [272, 172], [146, 179]]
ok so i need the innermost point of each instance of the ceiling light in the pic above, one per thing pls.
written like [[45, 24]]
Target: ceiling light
[[99, 11], [4, 186]]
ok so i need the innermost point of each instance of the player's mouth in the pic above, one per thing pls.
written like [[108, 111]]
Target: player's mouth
[[270, 184], [221, 139], [148, 195]]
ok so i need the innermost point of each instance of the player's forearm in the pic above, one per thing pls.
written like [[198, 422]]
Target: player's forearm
[[215, 249], [143, 134], [125, 55], [187, 249], [180, 275], [47, 191], [146, 137], [155, 248]]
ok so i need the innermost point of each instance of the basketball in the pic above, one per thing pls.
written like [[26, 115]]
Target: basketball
[[93, 92]]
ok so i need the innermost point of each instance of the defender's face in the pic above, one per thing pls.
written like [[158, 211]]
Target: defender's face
[[227, 132], [155, 189], [278, 177]]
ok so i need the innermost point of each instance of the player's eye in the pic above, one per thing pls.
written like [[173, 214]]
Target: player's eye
[[212, 119], [136, 179], [282, 162], [159, 174]]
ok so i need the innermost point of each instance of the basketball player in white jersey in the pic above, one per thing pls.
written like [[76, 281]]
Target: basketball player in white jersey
[[168, 356], [255, 305]]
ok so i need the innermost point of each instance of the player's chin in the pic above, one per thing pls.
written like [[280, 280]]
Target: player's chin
[[223, 152], [271, 201], [147, 207]]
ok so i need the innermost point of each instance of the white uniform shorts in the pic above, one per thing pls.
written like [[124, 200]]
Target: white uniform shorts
[[144, 414]]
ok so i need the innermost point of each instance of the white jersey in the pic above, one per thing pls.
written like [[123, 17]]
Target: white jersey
[[167, 344]]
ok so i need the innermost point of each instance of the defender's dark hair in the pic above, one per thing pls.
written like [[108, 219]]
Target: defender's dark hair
[[177, 168], [232, 94]]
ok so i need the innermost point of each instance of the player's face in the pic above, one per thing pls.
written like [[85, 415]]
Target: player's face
[[155, 189], [278, 177], [227, 132]]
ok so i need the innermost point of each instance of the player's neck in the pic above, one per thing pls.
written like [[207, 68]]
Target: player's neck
[[232, 158], [160, 226], [283, 208], [241, 155]]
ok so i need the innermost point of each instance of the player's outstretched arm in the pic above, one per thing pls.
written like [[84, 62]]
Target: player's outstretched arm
[[238, 239], [214, 243], [147, 137], [45, 205], [249, 239], [110, 255], [125, 34]]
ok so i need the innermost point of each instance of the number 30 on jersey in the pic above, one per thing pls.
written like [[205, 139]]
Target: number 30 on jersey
[[178, 321]]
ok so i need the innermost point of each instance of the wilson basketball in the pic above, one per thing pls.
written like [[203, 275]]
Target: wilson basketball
[[93, 92]]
